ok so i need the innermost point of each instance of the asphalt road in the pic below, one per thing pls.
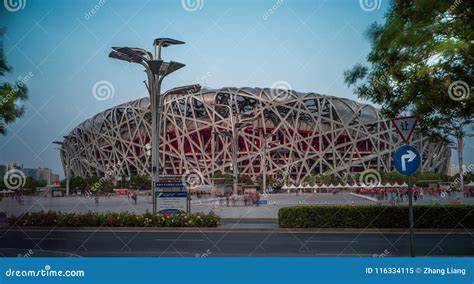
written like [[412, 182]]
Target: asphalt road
[[249, 242]]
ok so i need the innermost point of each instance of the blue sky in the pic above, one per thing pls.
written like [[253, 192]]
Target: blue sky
[[64, 44]]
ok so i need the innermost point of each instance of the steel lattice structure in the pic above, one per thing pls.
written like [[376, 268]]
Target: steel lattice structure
[[309, 133]]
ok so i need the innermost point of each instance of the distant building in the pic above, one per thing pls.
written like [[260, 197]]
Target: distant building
[[33, 173], [454, 169], [44, 174], [55, 179], [38, 174]]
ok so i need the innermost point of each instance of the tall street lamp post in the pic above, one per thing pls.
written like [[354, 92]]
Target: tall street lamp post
[[236, 125], [156, 70], [264, 160], [67, 167]]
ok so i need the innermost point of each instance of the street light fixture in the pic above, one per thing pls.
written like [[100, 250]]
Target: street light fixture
[[156, 70], [131, 54], [164, 42]]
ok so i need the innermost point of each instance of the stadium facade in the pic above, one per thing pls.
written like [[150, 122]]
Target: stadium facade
[[304, 133]]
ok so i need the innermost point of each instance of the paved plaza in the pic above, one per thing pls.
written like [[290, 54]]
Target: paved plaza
[[275, 202]]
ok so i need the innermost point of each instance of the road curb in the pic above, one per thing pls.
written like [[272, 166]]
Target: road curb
[[240, 229], [373, 199]]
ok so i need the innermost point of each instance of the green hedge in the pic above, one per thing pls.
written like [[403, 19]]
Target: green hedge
[[124, 219], [376, 216]]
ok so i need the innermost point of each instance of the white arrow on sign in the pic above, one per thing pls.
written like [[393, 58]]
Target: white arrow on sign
[[410, 156]]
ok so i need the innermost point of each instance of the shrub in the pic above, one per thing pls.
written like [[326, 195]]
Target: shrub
[[376, 216], [123, 219]]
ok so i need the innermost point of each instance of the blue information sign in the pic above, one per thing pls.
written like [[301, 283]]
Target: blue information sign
[[171, 194], [406, 160], [169, 184]]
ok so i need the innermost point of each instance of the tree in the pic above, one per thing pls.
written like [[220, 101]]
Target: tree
[[140, 182], [76, 183], [392, 177], [31, 185], [10, 95], [421, 63], [99, 184], [244, 179]]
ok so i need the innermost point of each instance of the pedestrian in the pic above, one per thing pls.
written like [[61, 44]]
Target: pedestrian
[[246, 198], [227, 199], [96, 198], [221, 199], [257, 199], [134, 197]]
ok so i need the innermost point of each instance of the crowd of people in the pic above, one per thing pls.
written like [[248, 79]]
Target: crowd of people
[[14, 195], [247, 199], [397, 195]]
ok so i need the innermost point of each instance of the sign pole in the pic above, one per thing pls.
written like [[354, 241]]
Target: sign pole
[[188, 200], [153, 195], [406, 161], [410, 213]]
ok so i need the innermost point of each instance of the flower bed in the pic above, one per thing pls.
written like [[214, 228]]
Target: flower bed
[[124, 219], [376, 216]]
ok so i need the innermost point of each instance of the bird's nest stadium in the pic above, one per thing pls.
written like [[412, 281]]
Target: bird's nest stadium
[[302, 133]]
